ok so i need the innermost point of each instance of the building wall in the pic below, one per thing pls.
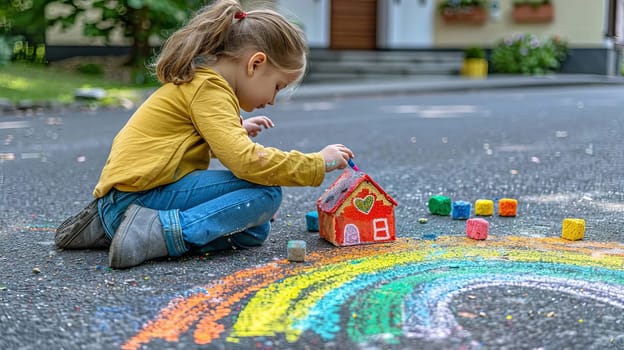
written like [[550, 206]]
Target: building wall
[[312, 15], [405, 25], [580, 22]]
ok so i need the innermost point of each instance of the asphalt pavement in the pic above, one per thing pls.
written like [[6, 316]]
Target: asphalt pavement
[[552, 142]]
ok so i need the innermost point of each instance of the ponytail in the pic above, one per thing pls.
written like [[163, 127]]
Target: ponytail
[[224, 30], [202, 36]]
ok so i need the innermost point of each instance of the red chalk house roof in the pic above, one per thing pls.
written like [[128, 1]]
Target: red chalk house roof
[[348, 181]]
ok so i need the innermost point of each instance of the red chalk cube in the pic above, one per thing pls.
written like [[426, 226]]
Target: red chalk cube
[[507, 207], [477, 228]]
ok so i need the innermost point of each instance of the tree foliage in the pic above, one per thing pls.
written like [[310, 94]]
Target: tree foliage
[[24, 18], [22, 30], [139, 20]]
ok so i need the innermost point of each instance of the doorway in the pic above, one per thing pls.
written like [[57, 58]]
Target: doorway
[[353, 24]]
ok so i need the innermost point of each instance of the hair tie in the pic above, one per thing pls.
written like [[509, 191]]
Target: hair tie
[[240, 15]]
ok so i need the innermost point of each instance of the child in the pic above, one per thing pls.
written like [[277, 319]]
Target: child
[[155, 196]]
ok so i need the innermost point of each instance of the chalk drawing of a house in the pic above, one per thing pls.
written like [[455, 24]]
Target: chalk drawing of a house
[[356, 210]]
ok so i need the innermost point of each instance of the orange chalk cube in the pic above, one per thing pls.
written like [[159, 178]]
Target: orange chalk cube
[[573, 229], [507, 207], [484, 207]]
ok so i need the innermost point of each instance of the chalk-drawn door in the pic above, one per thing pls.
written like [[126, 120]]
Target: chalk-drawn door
[[353, 24], [351, 235]]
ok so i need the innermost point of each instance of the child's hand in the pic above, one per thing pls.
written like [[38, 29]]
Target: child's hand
[[254, 125], [336, 157]]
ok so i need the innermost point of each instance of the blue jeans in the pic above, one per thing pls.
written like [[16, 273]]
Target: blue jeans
[[206, 210]]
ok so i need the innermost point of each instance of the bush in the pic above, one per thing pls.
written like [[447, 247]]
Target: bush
[[26, 52], [528, 54], [474, 52], [90, 69], [6, 51]]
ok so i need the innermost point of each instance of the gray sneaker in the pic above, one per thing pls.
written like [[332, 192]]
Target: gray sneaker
[[139, 238], [82, 231]]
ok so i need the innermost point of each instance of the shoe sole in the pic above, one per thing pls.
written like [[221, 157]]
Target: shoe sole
[[69, 229]]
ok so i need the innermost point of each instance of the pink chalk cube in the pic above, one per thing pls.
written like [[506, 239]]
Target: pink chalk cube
[[477, 228]]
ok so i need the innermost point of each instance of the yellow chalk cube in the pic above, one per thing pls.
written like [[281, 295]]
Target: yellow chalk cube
[[484, 207], [573, 229]]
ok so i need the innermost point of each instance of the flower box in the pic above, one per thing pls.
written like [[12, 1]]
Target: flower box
[[465, 15], [526, 13]]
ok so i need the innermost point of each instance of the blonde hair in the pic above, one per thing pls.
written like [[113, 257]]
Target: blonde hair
[[214, 33]]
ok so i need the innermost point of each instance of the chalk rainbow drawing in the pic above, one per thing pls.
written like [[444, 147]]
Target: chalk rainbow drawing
[[388, 291]]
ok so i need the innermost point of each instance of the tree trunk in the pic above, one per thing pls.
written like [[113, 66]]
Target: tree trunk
[[140, 50]]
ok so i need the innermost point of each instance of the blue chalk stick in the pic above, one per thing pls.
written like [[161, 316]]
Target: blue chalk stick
[[312, 221]]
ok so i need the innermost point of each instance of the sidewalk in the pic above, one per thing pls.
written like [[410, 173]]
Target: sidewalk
[[384, 85], [425, 84]]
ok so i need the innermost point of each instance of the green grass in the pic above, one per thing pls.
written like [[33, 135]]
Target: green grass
[[40, 83]]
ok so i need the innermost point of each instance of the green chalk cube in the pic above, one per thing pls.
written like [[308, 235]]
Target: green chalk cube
[[296, 250], [440, 205]]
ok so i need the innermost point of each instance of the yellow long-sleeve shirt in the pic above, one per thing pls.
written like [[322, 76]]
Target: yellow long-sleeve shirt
[[178, 128]]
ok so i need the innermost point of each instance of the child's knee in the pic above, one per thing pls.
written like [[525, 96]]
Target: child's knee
[[275, 193]]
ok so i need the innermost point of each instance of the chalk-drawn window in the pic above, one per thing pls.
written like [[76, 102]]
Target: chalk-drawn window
[[380, 227]]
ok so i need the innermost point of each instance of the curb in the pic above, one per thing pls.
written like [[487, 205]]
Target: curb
[[439, 83]]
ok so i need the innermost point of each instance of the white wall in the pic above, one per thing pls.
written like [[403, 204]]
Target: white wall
[[405, 23], [312, 15]]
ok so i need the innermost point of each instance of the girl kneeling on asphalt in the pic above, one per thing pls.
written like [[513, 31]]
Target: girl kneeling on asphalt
[[155, 196]]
